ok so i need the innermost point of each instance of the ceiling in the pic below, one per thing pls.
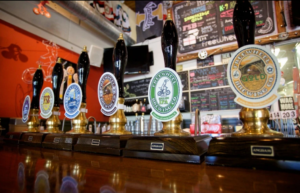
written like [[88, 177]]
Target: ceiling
[[130, 4]]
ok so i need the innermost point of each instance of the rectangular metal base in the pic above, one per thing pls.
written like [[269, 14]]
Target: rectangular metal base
[[102, 144], [255, 152], [12, 137], [32, 139], [60, 141], [178, 149]]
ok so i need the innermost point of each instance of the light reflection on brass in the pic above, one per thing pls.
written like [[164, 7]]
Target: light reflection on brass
[[33, 121], [172, 128], [80, 122], [53, 122], [118, 121], [255, 124]]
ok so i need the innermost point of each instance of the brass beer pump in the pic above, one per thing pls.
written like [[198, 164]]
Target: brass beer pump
[[169, 45], [53, 122], [118, 120], [37, 83], [83, 68], [254, 120]]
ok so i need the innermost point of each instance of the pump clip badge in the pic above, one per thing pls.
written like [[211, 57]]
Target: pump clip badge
[[72, 100], [164, 94], [46, 102], [25, 109], [254, 75], [108, 94]]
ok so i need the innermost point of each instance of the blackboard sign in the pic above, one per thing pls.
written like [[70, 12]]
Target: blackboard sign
[[202, 24], [212, 76], [136, 88], [184, 79], [209, 61], [214, 99]]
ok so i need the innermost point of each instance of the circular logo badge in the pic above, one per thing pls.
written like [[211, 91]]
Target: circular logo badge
[[202, 54], [46, 102], [108, 94], [254, 75], [72, 100], [164, 94], [26, 109]]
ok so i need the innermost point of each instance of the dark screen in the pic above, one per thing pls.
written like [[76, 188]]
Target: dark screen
[[139, 60]]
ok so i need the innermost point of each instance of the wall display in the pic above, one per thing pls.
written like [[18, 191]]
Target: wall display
[[209, 61], [202, 24], [254, 75], [72, 100], [184, 76], [213, 76], [108, 94], [214, 99], [25, 109], [46, 102], [149, 19]]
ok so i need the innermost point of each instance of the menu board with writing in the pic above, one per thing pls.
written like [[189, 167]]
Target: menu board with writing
[[209, 61], [184, 76], [212, 76], [214, 99], [136, 88], [202, 24]]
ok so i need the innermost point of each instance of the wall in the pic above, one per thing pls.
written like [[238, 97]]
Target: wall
[[21, 50]]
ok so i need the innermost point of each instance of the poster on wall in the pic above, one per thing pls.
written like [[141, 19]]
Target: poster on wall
[[149, 19], [122, 19], [202, 24]]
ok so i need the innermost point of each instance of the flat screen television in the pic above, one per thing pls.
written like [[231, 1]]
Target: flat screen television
[[139, 60]]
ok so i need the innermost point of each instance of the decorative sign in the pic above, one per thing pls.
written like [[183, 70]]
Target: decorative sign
[[254, 75], [108, 94], [286, 103], [212, 76], [202, 54], [72, 100], [259, 150], [202, 24], [164, 95], [46, 102], [25, 109]]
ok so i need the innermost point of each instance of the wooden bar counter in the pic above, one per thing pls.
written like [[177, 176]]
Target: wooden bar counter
[[32, 169]]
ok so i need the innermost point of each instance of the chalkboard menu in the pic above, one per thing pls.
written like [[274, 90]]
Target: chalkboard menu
[[209, 61], [136, 88], [139, 88], [214, 99], [184, 76], [202, 24], [212, 76]]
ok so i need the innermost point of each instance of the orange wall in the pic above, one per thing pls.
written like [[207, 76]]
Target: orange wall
[[12, 88]]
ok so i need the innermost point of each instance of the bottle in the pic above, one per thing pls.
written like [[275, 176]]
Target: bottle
[[37, 84], [169, 43], [57, 77], [142, 124], [143, 109], [136, 106], [83, 69], [141, 106], [120, 56], [244, 23]]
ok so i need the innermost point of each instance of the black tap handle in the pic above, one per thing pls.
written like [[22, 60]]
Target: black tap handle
[[83, 69], [244, 23], [120, 56], [37, 84], [57, 77], [169, 43]]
